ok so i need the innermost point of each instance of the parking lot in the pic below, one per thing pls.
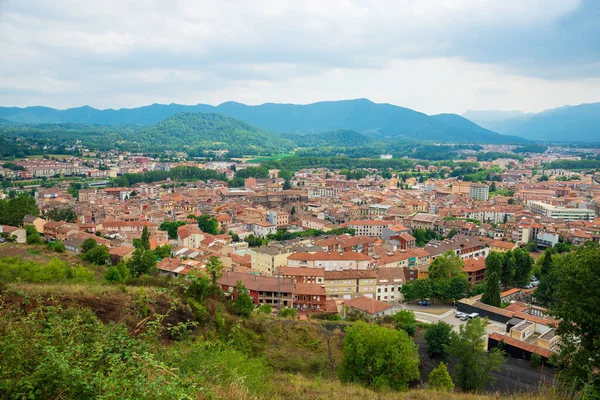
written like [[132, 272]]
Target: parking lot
[[431, 314]]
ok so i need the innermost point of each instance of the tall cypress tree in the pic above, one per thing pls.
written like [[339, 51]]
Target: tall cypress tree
[[492, 291]]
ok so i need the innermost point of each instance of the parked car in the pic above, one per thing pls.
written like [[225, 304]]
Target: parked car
[[459, 314], [473, 315], [464, 317], [424, 303]]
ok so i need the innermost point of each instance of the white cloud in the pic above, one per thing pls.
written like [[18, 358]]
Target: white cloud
[[434, 56]]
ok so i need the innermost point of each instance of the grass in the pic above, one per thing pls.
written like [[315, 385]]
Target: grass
[[433, 311]]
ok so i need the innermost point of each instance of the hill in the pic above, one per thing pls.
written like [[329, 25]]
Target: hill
[[382, 121], [563, 124], [339, 138], [213, 132], [473, 132]]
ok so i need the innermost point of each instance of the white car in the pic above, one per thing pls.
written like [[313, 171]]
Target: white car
[[459, 314]]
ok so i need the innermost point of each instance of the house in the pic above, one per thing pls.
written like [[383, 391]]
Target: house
[[190, 236], [262, 289], [303, 275], [309, 296], [475, 269], [121, 253], [349, 284], [37, 222], [501, 246], [330, 261], [20, 234], [373, 228], [263, 229], [389, 283], [366, 307]]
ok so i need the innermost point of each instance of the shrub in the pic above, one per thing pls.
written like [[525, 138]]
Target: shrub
[[440, 380], [535, 360], [265, 309], [405, 320], [379, 357], [438, 338], [287, 313]]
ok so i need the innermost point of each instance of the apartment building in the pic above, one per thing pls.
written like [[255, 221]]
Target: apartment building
[[350, 284]]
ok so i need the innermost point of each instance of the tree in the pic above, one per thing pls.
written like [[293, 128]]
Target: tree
[[419, 235], [440, 380], [285, 174], [13, 210], [543, 178], [59, 247], [243, 303], [33, 237], [438, 338], [575, 304], [419, 289], [208, 224], [142, 262], [214, 267], [293, 211], [87, 245], [265, 309], [162, 251], [509, 267], [171, 227], [474, 365], [447, 266], [117, 273], [523, 265], [287, 185], [145, 239], [379, 357], [62, 214], [493, 187], [199, 285], [405, 320], [494, 263], [491, 296], [98, 254]]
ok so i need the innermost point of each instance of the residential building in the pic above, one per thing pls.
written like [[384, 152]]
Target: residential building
[[389, 283], [350, 284], [479, 192], [330, 261], [564, 213]]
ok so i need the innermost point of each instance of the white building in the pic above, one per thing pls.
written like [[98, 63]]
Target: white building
[[567, 214]]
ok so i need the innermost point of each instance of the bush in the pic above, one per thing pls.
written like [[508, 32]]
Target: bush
[[438, 338], [379, 357], [326, 316], [15, 269], [265, 309], [440, 379], [287, 313], [405, 320]]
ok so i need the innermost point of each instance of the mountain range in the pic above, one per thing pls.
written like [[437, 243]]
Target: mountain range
[[569, 123], [380, 121]]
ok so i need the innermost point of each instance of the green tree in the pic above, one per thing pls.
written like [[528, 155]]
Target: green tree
[[285, 174], [446, 266], [59, 247], [418, 289], [117, 273], [243, 303], [98, 254], [509, 267], [171, 227], [214, 267], [379, 357], [33, 237], [491, 296], [575, 304], [475, 365], [494, 263], [142, 262], [87, 245], [523, 266], [287, 185], [440, 380], [208, 224], [145, 239], [405, 320], [163, 251], [199, 285], [438, 338], [13, 210], [62, 214], [293, 211]]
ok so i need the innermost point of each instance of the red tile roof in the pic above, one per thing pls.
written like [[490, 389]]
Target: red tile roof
[[368, 305]]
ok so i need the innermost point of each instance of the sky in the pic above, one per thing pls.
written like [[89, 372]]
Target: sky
[[433, 56]]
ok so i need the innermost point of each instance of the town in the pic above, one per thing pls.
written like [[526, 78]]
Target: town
[[321, 241]]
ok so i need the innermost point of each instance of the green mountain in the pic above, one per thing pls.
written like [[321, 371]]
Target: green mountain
[[564, 124], [382, 121], [471, 132], [212, 132], [341, 138]]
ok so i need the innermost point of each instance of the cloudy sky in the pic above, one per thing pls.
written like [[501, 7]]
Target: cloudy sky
[[430, 55]]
